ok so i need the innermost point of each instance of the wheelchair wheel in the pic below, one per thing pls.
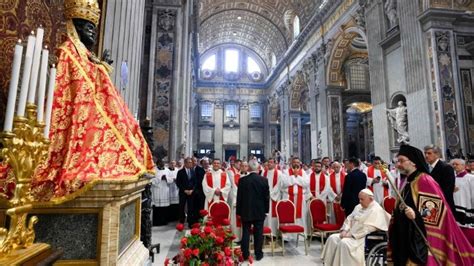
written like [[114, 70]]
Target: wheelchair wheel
[[377, 255]]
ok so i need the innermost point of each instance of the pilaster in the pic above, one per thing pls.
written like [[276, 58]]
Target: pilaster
[[244, 130], [218, 133]]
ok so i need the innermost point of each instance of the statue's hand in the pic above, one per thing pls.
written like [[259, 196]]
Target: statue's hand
[[106, 57]]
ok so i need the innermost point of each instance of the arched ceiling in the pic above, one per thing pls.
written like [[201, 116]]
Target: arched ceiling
[[256, 24]]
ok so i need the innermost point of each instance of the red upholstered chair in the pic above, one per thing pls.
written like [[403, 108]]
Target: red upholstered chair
[[286, 214], [219, 211], [326, 228], [267, 231], [389, 204], [317, 213]]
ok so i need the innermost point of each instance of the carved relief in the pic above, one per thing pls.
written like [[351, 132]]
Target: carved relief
[[390, 8]]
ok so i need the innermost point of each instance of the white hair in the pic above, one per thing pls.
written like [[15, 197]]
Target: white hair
[[459, 161], [253, 164]]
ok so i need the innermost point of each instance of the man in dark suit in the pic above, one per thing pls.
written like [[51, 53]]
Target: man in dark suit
[[200, 172], [355, 181], [442, 172], [253, 200], [187, 182]]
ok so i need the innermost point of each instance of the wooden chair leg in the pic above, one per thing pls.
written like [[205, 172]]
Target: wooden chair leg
[[273, 245]]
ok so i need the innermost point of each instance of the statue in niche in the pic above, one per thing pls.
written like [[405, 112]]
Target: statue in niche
[[391, 13], [399, 121]]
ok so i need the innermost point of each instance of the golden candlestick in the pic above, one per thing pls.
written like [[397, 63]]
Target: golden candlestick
[[23, 150]]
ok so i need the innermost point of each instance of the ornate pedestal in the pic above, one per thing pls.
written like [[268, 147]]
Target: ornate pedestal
[[99, 227]]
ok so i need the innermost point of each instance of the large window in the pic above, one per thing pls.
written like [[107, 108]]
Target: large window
[[255, 112], [231, 111], [231, 60], [252, 66], [206, 111], [210, 63]]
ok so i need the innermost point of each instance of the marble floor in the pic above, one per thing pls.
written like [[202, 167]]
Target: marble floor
[[169, 244]]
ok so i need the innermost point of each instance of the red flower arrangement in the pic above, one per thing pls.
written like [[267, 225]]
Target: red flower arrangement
[[207, 244]]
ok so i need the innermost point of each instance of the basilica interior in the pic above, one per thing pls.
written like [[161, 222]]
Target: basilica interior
[[262, 78]]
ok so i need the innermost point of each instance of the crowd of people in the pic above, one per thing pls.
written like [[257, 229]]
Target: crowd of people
[[432, 196]]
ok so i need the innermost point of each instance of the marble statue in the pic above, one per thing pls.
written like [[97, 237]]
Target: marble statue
[[399, 121], [390, 7]]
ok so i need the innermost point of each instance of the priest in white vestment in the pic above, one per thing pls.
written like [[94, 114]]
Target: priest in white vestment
[[336, 183], [275, 180], [463, 193], [160, 194], [377, 180], [347, 247], [215, 184], [296, 188], [234, 175], [319, 181]]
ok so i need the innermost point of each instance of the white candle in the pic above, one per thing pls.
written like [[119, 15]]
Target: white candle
[[25, 79], [42, 83], [8, 125], [35, 67], [49, 103]]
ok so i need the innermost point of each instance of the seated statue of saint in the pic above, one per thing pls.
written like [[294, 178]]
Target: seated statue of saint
[[347, 247], [93, 134]]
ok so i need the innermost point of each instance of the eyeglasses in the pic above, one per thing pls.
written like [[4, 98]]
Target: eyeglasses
[[402, 161]]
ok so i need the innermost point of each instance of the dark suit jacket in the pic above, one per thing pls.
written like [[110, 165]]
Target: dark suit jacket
[[355, 181], [444, 174], [253, 198], [200, 176], [184, 183]]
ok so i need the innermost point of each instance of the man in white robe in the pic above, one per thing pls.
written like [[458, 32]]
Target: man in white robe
[[463, 193], [336, 184], [234, 175], [174, 191], [347, 247], [377, 180], [215, 184], [160, 194], [275, 179], [296, 188], [319, 181]]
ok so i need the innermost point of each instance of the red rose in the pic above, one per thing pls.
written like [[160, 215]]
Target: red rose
[[209, 223], [237, 252], [202, 235], [203, 213], [195, 231], [207, 229], [241, 258], [167, 261], [250, 259], [219, 240], [180, 227], [196, 225], [184, 241], [219, 257], [225, 222], [196, 252], [205, 264], [227, 251], [188, 252], [233, 237], [212, 235]]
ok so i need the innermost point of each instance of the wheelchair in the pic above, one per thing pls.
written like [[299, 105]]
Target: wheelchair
[[376, 248]]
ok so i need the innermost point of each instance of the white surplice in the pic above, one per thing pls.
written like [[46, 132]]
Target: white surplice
[[464, 196], [378, 188], [275, 195], [209, 191], [361, 222], [160, 191], [174, 191], [298, 182]]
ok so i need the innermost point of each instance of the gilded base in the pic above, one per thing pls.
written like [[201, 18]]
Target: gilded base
[[25, 255]]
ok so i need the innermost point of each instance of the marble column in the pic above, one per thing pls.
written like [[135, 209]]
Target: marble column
[[218, 132], [267, 136], [376, 33], [335, 124], [244, 130]]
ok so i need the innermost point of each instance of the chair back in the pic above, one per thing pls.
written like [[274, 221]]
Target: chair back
[[317, 211], [286, 212], [389, 204], [219, 211], [339, 213]]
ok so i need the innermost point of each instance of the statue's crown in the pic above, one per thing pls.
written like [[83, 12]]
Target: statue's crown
[[83, 9]]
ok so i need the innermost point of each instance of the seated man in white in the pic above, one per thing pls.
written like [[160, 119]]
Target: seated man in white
[[347, 247]]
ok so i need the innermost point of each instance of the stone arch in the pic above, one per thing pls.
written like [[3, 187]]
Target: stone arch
[[341, 51], [396, 97]]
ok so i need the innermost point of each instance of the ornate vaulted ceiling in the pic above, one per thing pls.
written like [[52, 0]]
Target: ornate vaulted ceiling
[[260, 25]]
